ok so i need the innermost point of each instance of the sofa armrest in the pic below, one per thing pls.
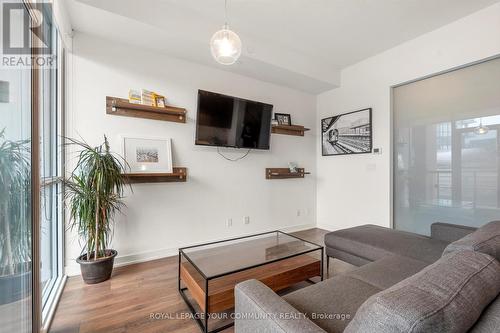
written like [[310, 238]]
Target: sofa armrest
[[259, 309], [449, 233]]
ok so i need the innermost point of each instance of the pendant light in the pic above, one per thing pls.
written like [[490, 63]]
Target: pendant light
[[481, 129], [225, 44]]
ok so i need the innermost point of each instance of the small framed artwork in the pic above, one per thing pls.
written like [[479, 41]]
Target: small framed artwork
[[283, 118], [160, 101], [348, 133], [148, 155]]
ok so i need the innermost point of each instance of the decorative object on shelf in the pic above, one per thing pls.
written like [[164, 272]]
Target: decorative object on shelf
[[122, 107], [284, 173], [225, 44], [148, 155], [134, 96], [178, 175], [283, 118], [274, 122], [292, 166], [348, 133], [289, 129], [94, 192], [147, 97], [160, 101]]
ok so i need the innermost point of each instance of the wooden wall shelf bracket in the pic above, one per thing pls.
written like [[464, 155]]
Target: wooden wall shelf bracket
[[289, 129], [284, 173], [179, 175], [122, 107]]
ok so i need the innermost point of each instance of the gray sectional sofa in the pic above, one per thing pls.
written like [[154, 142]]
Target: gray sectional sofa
[[449, 282]]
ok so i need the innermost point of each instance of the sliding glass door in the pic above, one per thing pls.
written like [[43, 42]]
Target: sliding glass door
[[16, 254], [31, 165], [447, 149], [51, 171]]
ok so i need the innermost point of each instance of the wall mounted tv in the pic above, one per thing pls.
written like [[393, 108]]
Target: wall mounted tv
[[227, 121]]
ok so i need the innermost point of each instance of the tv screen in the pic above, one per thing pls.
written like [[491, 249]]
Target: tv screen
[[227, 121]]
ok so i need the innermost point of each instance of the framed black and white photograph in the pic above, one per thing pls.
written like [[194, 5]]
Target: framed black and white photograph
[[283, 118], [148, 155], [348, 133]]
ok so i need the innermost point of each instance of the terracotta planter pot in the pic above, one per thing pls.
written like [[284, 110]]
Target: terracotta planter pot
[[95, 271]]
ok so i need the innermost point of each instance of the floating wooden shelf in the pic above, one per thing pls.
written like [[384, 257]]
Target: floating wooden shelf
[[289, 129], [122, 107], [284, 173], [179, 175]]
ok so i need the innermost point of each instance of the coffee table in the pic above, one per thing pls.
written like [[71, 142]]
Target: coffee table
[[209, 272]]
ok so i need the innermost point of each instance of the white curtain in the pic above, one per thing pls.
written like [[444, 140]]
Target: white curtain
[[446, 148]]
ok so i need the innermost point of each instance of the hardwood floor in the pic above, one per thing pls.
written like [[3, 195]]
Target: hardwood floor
[[139, 298]]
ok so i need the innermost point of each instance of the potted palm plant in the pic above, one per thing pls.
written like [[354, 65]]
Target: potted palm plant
[[94, 193], [15, 217]]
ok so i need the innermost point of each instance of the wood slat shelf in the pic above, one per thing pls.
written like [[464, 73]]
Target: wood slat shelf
[[284, 173], [179, 175], [122, 107], [289, 129]]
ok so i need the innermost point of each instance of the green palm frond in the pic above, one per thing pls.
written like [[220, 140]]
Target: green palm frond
[[15, 203]]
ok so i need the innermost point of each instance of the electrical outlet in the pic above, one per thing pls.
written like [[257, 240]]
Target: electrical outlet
[[298, 213], [229, 223], [247, 219]]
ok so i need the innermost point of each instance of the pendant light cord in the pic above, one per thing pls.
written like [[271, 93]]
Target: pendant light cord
[[225, 14]]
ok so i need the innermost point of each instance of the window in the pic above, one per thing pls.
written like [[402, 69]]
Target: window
[[447, 148], [21, 301], [15, 189], [51, 173]]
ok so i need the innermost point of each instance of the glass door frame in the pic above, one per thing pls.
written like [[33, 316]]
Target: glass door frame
[[36, 296]]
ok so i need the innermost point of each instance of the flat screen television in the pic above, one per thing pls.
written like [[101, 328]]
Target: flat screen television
[[227, 121]]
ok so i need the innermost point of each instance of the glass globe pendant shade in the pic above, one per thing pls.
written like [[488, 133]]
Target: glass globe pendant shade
[[225, 46], [481, 129]]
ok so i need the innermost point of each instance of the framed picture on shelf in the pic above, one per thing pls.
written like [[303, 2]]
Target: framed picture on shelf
[[160, 101], [348, 133], [283, 118], [147, 155]]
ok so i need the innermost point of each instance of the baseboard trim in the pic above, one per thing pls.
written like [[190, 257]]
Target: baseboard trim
[[328, 227], [73, 268]]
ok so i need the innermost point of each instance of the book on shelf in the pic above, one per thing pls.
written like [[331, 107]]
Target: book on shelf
[[147, 97], [134, 96]]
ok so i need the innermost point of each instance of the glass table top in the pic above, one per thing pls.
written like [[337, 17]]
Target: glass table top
[[229, 256]]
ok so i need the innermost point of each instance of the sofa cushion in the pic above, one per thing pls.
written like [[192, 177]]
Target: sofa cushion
[[388, 271], [489, 322], [374, 242], [485, 240], [447, 296], [450, 232], [331, 304]]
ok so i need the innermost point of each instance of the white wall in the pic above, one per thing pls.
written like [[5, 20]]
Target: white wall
[[161, 217], [355, 190]]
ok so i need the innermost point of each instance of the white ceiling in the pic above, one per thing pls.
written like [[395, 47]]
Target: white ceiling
[[302, 44]]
